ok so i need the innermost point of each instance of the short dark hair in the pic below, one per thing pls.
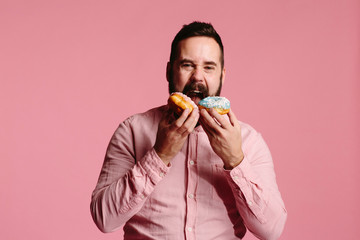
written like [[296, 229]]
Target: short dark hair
[[192, 30]]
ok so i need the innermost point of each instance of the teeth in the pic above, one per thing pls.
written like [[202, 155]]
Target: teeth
[[196, 91]]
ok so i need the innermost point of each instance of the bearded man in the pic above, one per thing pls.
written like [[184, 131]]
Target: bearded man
[[199, 175]]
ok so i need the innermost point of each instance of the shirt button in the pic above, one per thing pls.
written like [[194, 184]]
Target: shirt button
[[191, 195], [161, 174], [189, 229], [250, 203], [192, 162]]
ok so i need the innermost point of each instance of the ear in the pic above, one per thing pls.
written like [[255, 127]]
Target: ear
[[223, 74], [168, 71]]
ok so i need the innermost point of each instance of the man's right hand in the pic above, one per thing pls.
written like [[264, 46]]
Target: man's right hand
[[173, 132]]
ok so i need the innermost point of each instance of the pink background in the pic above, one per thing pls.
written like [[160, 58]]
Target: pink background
[[71, 71]]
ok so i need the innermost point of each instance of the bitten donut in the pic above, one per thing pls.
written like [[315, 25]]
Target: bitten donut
[[179, 102], [220, 104]]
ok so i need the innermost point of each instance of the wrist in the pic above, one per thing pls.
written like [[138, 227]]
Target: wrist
[[229, 165], [163, 157]]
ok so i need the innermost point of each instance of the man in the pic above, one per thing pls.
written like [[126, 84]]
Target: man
[[197, 176]]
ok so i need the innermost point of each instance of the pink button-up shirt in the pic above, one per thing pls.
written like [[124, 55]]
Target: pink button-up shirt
[[194, 197]]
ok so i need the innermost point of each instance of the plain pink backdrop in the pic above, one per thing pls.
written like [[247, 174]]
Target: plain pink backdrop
[[71, 71]]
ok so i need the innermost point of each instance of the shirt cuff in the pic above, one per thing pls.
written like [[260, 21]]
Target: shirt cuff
[[154, 167], [240, 174]]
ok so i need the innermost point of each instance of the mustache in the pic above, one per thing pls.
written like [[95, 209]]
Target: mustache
[[196, 89]]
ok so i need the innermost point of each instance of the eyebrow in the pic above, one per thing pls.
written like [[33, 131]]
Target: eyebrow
[[185, 60]]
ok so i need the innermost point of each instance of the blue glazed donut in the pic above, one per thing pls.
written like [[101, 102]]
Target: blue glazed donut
[[220, 104]]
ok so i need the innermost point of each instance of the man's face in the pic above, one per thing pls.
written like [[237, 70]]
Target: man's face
[[197, 70]]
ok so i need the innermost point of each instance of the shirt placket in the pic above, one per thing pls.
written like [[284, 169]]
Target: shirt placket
[[192, 180]]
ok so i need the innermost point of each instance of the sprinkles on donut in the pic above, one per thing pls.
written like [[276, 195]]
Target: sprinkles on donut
[[220, 104]]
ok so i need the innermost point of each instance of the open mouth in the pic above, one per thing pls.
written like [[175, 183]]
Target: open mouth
[[196, 93]]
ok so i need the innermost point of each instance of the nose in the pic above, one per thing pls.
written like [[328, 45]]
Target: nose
[[197, 75]]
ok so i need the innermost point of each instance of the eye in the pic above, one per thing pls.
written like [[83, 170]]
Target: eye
[[209, 68], [187, 66]]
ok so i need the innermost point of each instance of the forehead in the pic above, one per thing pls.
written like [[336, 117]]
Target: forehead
[[199, 49]]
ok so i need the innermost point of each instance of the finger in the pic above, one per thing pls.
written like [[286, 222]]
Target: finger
[[208, 122], [232, 118], [210, 132], [219, 118], [180, 121], [190, 122]]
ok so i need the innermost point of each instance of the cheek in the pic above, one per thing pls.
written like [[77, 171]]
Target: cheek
[[180, 79], [213, 84]]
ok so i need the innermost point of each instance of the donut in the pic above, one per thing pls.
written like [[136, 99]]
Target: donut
[[179, 102], [220, 104]]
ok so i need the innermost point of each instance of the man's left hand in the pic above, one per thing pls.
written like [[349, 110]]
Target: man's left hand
[[224, 136]]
